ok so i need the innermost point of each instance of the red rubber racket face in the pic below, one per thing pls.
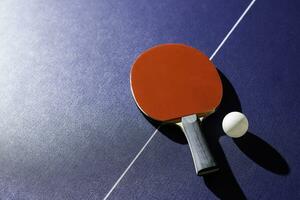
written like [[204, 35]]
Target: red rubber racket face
[[171, 81]]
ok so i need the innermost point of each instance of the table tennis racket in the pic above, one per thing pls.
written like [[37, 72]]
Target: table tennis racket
[[177, 83]]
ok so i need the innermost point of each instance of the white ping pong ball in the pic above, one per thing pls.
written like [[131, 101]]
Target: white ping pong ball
[[235, 124]]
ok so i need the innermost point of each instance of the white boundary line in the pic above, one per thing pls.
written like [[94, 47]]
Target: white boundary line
[[154, 133]]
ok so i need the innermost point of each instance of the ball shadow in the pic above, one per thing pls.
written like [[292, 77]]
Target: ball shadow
[[263, 154], [223, 183]]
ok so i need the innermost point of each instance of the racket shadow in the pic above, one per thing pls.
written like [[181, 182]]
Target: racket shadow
[[170, 130], [223, 183]]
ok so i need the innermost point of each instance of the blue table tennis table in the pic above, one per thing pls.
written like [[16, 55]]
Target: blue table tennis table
[[70, 129]]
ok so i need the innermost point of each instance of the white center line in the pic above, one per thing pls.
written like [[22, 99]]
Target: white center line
[[232, 29], [136, 157], [154, 133]]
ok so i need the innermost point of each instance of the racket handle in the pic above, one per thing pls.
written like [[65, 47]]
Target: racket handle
[[203, 160]]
